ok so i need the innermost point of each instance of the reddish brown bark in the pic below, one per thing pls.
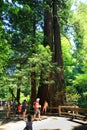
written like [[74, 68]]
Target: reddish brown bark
[[59, 76], [55, 94], [33, 88]]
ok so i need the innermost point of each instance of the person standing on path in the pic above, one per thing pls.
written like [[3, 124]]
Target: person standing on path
[[14, 107], [37, 107], [8, 108], [45, 107], [24, 109], [19, 110]]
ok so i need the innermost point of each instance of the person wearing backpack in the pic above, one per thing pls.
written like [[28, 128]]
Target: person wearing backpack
[[37, 107]]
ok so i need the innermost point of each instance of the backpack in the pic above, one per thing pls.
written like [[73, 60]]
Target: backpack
[[36, 105]]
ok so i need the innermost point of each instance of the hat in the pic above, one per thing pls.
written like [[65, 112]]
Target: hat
[[37, 99]]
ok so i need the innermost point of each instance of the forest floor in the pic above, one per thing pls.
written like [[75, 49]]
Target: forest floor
[[51, 122]]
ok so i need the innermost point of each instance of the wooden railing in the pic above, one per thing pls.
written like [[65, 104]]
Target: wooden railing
[[65, 110], [71, 109], [74, 112]]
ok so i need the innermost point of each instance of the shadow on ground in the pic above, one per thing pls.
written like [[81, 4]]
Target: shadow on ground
[[49, 129], [84, 127], [5, 121], [15, 119], [79, 121]]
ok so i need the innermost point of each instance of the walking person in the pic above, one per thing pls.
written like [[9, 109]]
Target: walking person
[[37, 107]]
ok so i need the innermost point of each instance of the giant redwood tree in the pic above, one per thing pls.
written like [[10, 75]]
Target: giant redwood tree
[[59, 88], [54, 93]]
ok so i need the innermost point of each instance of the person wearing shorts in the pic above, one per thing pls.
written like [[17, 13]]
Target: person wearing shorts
[[37, 107], [24, 108]]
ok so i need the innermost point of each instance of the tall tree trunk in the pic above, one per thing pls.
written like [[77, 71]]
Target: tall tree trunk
[[59, 90], [54, 94], [12, 93], [18, 94], [44, 90], [18, 90], [33, 88], [33, 75], [48, 28]]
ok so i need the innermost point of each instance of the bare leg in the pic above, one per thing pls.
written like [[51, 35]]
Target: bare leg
[[34, 116], [39, 116]]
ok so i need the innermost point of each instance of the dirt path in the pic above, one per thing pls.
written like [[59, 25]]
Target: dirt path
[[47, 123]]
